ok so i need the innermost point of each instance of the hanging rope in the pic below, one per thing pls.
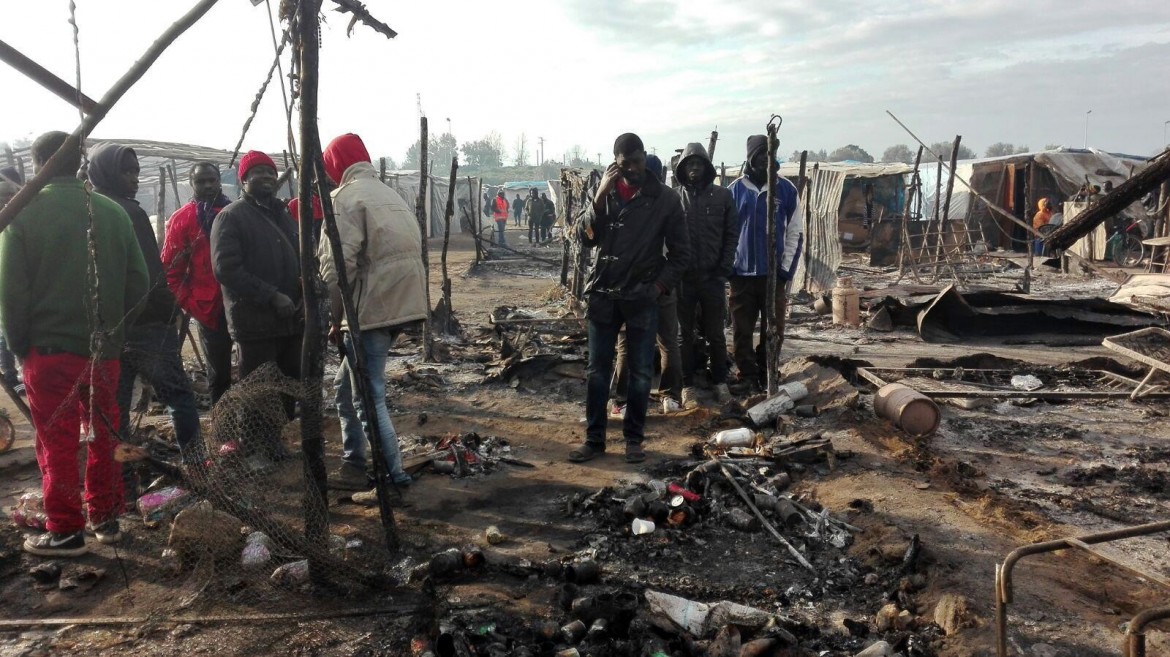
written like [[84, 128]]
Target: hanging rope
[[288, 105], [256, 101]]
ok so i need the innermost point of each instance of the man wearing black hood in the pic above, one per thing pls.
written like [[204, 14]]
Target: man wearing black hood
[[632, 217], [152, 342], [714, 231]]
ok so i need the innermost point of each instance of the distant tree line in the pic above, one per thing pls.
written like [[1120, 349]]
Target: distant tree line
[[904, 154]]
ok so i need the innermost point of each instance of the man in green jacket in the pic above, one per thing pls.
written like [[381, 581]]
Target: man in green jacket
[[69, 344]]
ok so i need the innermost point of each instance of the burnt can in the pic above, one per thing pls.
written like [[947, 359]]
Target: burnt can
[[574, 632], [742, 520], [598, 631], [635, 507], [658, 511], [582, 572]]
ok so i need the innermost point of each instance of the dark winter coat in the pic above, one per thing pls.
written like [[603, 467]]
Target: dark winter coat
[[255, 255], [631, 263], [105, 169], [712, 220]]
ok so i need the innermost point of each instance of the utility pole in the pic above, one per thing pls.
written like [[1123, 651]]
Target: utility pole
[[540, 160], [1087, 127]]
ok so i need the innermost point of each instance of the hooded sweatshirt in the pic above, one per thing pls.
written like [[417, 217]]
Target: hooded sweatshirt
[[380, 242], [106, 164], [712, 220]]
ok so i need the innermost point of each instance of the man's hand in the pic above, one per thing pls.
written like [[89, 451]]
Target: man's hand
[[285, 308], [334, 334], [608, 182]]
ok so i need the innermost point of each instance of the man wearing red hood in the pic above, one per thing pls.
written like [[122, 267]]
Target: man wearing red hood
[[382, 248]]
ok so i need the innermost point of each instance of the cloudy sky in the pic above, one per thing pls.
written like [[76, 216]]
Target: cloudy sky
[[579, 72]]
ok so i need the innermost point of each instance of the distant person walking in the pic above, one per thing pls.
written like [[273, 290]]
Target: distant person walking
[[517, 209], [534, 214]]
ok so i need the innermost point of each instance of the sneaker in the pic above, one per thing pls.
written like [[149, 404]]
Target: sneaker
[[52, 544], [669, 405], [690, 397], [370, 498], [349, 477], [617, 411], [108, 533], [722, 393]]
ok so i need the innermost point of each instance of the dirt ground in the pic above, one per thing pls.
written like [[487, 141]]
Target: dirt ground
[[991, 479]]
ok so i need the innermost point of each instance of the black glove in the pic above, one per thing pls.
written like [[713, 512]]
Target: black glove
[[285, 308]]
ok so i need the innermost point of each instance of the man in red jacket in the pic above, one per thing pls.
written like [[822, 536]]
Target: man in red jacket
[[500, 209], [186, 256]]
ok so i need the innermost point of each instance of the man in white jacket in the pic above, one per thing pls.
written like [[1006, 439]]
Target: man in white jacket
[[382, 247]]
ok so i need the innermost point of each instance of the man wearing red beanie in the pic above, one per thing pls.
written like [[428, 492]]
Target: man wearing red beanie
[[256, 260]]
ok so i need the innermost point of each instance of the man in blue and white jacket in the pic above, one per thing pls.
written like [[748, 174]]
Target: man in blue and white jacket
[[749, 276]]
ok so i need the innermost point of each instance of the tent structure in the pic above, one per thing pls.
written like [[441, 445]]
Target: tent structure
[[837, 213], [468, 199], [1017, 182]]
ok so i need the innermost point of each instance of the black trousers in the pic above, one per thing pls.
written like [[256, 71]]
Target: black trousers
[[707, 296], [285, 351], [217, 348]]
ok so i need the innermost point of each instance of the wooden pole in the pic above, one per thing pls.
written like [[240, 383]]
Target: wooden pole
[[914, 184], [43, 77], [425, 228], [801, 189], [941, 246], [382, 169], [160, 207], [808, 224], [711, 144], [52, 168], [174, 185], [316, 505], [1029, 203], [473, 217], [567, 195], [288, 175], [447, 329], [772, 336]]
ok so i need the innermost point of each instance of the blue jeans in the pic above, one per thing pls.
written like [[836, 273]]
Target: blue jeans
[[501, 225], [641, 322], [375, 344], [152, 352]]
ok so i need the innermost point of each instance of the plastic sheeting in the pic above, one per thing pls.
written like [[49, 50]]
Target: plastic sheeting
[[468, 197]]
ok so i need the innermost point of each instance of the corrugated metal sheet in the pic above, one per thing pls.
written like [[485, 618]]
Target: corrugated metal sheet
[[821, 237]]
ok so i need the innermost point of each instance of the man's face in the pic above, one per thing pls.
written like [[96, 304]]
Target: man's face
[[633, 167], [260, 181], [759, 161], [129, 177], [693, 171], [206, 184]]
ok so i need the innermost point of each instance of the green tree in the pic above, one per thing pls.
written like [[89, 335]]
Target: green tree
[[898, 153], [440, 150], [943, 149], [483, 153], [850, 152], [999, 149]]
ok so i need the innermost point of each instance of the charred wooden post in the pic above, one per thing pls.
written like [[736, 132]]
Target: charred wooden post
[[1029, 203], [174, 185], [53, 166], [313, 345], [382, 169], [567, 210], [160, 226], [473, 219], [446, 241], [941, 246], [711, 144], [801, 189], [424, 229], [915, 184], [771, 335]]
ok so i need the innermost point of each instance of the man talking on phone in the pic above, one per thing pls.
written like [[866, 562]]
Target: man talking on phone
[[640, 231]]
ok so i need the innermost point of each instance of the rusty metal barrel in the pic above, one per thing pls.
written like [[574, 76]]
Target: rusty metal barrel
[[909, 410]]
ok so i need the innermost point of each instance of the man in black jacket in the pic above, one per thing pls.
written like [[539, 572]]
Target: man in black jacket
[[256, 260], [714, 231], [152, 346], [632, 217]]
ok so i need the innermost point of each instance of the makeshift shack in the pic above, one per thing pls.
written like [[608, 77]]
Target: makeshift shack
[[468, 197], [1017, 183]]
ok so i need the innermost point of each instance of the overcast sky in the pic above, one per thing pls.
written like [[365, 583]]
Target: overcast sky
[[579, 72]]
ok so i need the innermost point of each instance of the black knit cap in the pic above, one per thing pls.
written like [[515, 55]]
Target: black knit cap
[[627, 144]]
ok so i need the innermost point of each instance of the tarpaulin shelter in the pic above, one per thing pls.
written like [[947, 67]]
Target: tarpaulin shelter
[[1016, 183], [468, 199]]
